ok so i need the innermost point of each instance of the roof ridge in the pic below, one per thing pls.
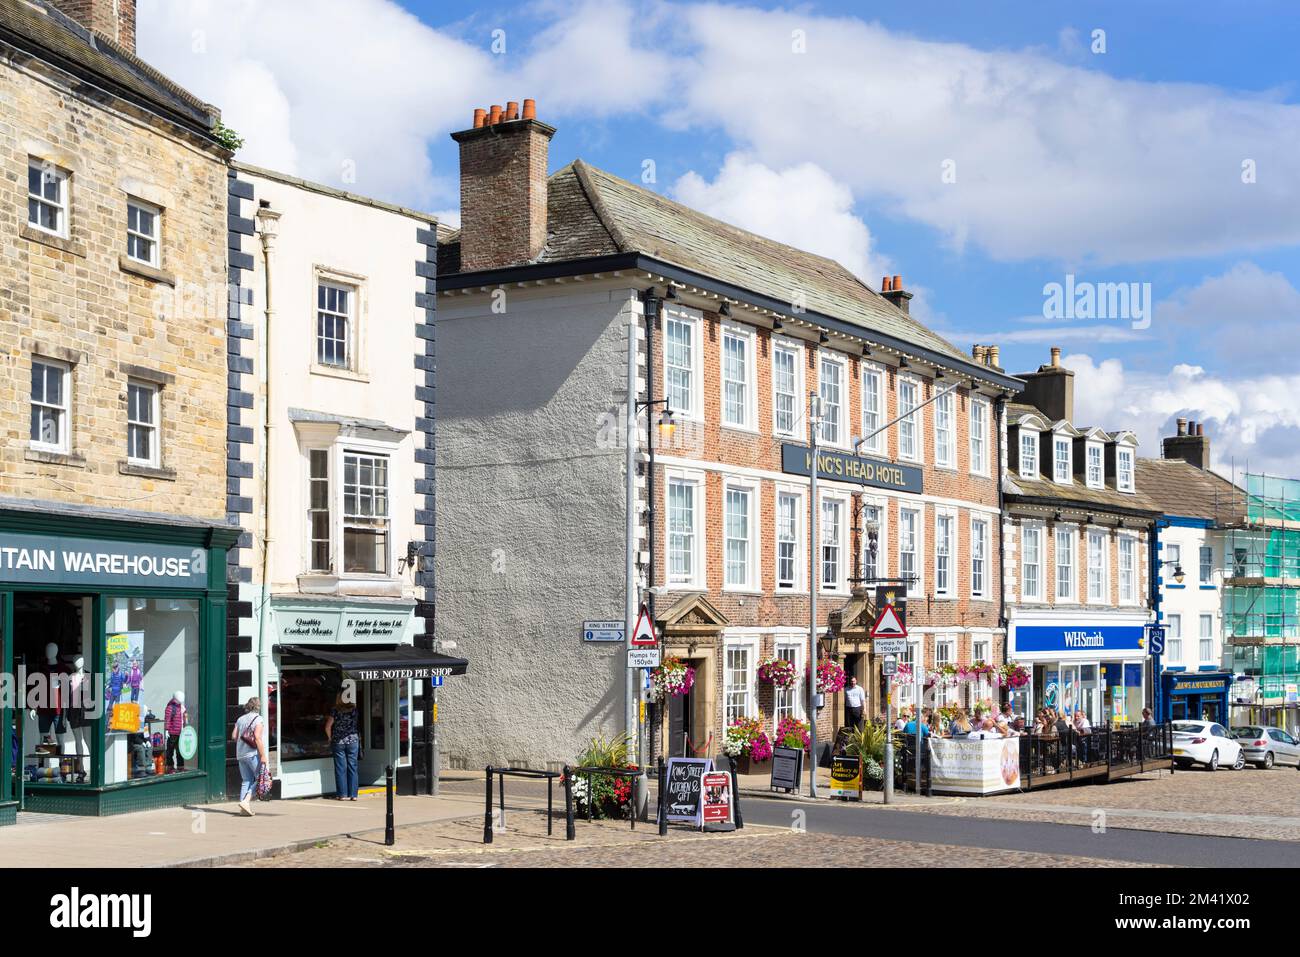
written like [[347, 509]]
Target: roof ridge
[[581, 170]]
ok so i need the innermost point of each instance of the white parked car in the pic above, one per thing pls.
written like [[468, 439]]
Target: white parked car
[[1207, 743]]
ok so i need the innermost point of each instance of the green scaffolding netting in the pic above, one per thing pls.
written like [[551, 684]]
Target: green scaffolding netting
[[1268, 497]]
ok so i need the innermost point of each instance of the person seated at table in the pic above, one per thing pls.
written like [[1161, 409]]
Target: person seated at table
[[1082, 728], [986, 729], [960, 726], [977, 715], [910, 728], [1005, 730], [1018, 726], [1007, 715]]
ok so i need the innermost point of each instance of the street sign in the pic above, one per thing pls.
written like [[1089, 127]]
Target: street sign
[[435, 681], [1156, 639], [643, 657], [604, 631], [889, 646], [889, 666], [888, 624], [644, 635], [890, 595]]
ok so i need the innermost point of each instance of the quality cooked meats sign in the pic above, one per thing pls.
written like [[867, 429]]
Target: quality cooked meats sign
[[50, 560]]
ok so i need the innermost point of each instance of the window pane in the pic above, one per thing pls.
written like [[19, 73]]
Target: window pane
[[34, 180]]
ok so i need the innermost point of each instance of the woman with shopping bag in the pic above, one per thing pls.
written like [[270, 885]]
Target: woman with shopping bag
[[250, 752]]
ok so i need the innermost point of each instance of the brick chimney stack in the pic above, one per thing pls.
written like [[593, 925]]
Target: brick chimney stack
[[1190, 444], [503, 166], [114, 19], [1050, 389], [894, 292]]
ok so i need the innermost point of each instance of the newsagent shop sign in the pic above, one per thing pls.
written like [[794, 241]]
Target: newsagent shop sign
[[53, 560], [843, 467]]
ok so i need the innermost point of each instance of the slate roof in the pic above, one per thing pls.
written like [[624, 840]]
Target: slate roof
[[42, 31], [593, 213], [1180, 488], [1076, 493]]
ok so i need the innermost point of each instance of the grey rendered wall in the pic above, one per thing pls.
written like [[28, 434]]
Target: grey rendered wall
[[530, 521]]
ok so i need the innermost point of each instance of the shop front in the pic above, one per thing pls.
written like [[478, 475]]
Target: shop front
[[1197, 695], [361, 649], [1094, 663], [112, 639]]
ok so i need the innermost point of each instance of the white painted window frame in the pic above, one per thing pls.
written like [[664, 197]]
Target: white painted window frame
[[694, 320], [840, 440], [784, 344], [747, 335]]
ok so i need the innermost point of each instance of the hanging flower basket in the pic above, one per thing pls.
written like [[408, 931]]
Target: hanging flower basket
[[672, 679], [1014, 675], [830, 677], [778, 672]]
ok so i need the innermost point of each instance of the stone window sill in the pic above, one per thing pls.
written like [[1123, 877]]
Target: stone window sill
[[338, 373], [152, 273], [54, 242], [146, 471], [70, 459]]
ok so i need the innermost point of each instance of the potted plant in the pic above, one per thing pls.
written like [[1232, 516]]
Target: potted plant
[[747, 744], [792, 733], [868, 745], [610, 796]]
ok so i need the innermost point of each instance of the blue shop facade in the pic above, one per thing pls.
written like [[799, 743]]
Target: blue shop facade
[[1090, 660]]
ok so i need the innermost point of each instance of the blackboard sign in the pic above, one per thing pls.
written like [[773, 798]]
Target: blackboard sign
[[682, 802], [787, 768]]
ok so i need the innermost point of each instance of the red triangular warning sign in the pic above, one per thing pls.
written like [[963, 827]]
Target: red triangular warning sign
[[644, 635], [888, 625]]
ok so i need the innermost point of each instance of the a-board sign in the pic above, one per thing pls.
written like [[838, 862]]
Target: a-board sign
[[715, 806], [787, 768], [846, 777], [683, 801]]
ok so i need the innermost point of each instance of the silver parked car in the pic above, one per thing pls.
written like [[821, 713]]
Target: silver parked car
[[1264, 747]]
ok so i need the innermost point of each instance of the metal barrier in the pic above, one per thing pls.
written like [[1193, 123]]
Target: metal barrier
[[549, 776], [1109, 753]]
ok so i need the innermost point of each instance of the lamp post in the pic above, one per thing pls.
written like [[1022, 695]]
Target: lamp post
[[1178, 576]]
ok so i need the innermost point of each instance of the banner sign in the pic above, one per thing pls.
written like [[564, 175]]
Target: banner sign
[[51, 560], [846, 777], [975, 765], [683, 802], [844, 467]]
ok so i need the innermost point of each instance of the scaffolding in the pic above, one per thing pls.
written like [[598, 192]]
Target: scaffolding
[[1261, 600]]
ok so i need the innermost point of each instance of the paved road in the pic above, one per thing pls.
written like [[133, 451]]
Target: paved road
[[1121, 844]]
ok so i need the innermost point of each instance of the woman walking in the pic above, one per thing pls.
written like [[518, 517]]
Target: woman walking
[[250, 752], [345, 743]]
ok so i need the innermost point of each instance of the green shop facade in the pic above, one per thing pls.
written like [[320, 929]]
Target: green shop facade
[[113, 648]]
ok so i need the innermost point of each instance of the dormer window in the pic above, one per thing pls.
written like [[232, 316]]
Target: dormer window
[[1124, 469], [1028, 453], [1061, 466], [1096, 476]]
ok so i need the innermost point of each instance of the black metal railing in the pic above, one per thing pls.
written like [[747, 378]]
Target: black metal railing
[[548, 776], [591, 772], [1070, 754]]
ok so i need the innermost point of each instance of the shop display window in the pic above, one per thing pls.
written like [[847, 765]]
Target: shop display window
[[306, 697], [51, 636], [151, 687]]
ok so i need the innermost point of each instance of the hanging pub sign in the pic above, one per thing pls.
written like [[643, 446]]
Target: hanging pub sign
[[844, 467], [846, 777], [895, 595], [787, 768], [715, 802], [683, 801]]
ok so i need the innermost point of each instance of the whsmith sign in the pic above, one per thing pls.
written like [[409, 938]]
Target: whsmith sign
[[48, 560], [843, 467]]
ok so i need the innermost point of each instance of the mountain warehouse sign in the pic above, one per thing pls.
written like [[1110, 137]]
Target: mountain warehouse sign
[[49, 560], [843, 467]]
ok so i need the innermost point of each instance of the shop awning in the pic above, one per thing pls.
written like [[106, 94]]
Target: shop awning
[[383, 663]]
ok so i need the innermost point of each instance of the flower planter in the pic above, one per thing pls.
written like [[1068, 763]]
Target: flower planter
[[747, 765]]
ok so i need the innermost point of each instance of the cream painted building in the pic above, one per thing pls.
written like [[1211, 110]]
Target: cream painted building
[[337, 527]]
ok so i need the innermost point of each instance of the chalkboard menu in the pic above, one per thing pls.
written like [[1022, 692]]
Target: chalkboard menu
[[787, 768], [682, 802]]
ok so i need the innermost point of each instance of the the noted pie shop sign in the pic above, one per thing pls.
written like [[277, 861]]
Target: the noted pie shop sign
[[345, 627], [391, 674]]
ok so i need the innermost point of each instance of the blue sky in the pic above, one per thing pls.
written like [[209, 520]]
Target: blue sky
[[981, 150]]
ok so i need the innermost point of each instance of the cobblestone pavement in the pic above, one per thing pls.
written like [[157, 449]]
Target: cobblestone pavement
[[612, 844]]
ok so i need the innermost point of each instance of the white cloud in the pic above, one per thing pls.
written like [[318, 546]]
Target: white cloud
[[801, 206], [1051, 160], [1249, 420]]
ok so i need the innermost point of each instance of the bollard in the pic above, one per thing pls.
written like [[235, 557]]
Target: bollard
[[487, 815], [570, 833], [735, 794], [663, 790], [389, 837]]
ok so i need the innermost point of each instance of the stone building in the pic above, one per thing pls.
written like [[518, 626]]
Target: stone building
[[115, 478], [564, 298], [1077, 537]]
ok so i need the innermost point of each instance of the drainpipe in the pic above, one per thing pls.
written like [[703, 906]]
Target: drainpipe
[[652, 306], [999, 407], [269, 221], [630, 609]]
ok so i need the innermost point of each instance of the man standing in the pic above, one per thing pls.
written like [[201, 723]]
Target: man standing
[[855, 700]]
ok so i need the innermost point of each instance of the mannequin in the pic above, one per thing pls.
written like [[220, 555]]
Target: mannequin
[[175, 718], [78, 723], [50, 717]]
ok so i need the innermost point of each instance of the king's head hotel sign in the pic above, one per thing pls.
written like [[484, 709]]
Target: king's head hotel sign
[[843, 467]]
